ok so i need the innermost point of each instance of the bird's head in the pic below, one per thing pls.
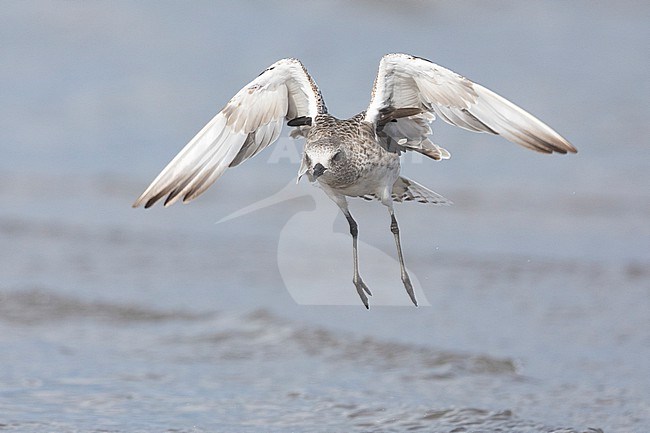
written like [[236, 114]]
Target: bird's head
[[323, 160]]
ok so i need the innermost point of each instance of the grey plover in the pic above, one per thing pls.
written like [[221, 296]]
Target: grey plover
[[356, 157]]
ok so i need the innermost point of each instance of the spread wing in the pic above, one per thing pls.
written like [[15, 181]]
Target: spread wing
[[250, 121], [409, 92]]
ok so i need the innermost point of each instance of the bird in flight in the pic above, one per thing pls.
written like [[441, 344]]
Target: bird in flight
[[355, 157]]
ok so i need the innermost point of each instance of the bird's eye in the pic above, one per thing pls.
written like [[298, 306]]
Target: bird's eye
[[337, 156]]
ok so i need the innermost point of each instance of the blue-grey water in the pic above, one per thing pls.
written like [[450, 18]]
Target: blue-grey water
[[121, 320]]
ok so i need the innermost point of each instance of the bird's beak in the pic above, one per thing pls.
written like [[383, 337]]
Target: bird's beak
[[318, 170]]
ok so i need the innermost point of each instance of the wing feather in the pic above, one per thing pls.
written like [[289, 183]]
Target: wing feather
[[250, 121], [405, 81]]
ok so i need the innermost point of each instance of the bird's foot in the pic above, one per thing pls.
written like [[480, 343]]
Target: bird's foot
[[409, 288], [361, 288]]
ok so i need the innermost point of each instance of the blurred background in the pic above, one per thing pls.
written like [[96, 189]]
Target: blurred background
[[538, 276]]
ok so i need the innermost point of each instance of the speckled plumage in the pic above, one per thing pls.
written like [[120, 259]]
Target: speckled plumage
[[356, 157], [367, 169]]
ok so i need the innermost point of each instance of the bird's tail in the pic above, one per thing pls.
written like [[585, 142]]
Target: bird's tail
[[409, 190]]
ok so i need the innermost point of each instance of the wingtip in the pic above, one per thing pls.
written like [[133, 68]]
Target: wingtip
[[137, 203], [150, 203], [564, 148]]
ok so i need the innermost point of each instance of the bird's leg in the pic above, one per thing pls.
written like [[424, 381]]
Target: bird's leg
[[342, 203], [394, 228], [356, 279]]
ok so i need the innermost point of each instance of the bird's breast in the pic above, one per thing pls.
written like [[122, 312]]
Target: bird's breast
[[372, 176]]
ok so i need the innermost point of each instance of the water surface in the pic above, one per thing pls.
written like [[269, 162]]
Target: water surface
[[122, 320]]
